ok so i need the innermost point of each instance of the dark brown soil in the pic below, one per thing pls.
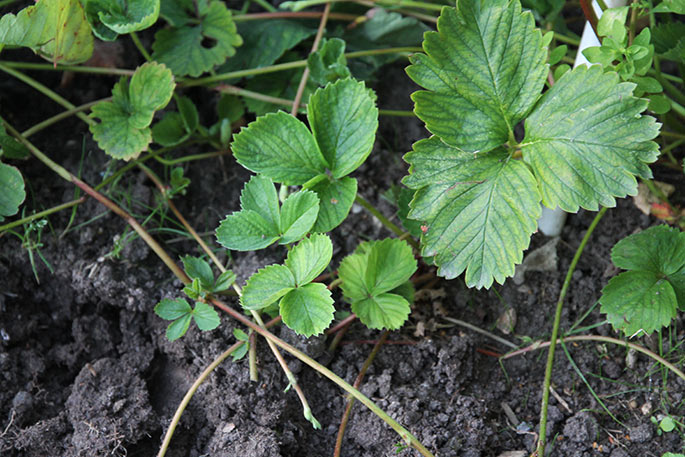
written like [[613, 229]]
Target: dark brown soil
[[85, 369]]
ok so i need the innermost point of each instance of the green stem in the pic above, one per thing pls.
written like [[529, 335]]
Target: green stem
[[74, 68], [63, 115], [294, 15], [41, 214], [288, 66], [146, 55], [384, 220], [604, 339], [566, 39], [191, 157], [410, 3], [555, 332], [45, 91], [266, 5], [404, 433]]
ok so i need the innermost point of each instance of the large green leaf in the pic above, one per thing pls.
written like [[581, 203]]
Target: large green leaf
[[265, 42], [12, 193], [298, 214], [191, 48], [55, 29], [280, 147], [309, 258], [480, 209], [390, 263], [484, 69], [266, 286], [585, 146], [385, 311], [109, 18], [344, 120], [308, 310]]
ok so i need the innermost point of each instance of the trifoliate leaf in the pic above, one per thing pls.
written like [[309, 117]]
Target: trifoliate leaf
[[298, 214], [261, 222], [646, 297], [12, 193], [197, 268], [309, 258], [280, 147], [264, 42], [205, 316], [344, 119], [109, 18], [480, 210], [204, 40], [585, 146], [328, 63], [484, 69], [308, 310], [385, 311], [336, 197], [367, 275], [54, 29], [123, 131], [266, 286]]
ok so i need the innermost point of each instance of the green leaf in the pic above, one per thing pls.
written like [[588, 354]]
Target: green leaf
[[261, 222], [192, 49], [612, 23], [12, 193], [336, 197], [205, 316], [669, 40], [10, 148], [123, 131], [170, 131], [240, 335], [280, 147], [246, 231], [557, 54], [385, 311], [309, 258], [172, 309], [484, 70], [189, 114], [308, 310], [670, 6], [197, 268], [298, 215], [224, 281], [194, 290], [108, 18], [480, 210], [240, 352], [647, 296], [264, 42], [389, 264], [344, 120], [179, 327], [586, 146], [638, 301], [178, 182], [328, 63], [54, 29], [266, 286]]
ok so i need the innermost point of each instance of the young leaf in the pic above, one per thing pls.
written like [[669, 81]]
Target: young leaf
[[480, 210], [586, 146], [12, 193], [170, 131], [260, 222], [309, 258], [375, 269], [308, 310], [266, 286], [196, 44], [646, 297], [224, 281], [55, 29], [123, 131], [280, 147], [205, 316], [344, 120], [328, 63], [109, 18], [484, 69], [197, 268], [179, 327]]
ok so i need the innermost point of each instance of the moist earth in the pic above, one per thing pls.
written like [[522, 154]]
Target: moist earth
[[86, 370]]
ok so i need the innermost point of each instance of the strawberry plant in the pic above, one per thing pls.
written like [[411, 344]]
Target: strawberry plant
[[512, 129]]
